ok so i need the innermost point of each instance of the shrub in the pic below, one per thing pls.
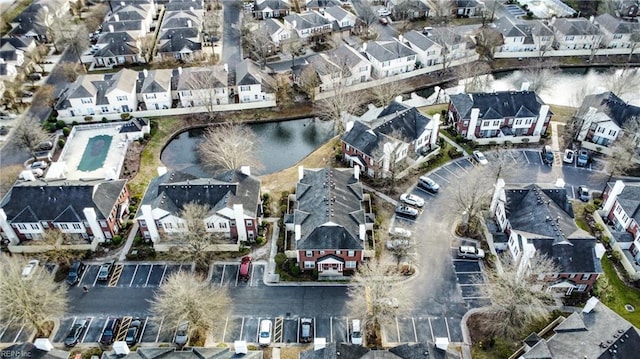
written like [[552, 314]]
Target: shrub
[[459, 139], [74, 123], [293, 268], [116, 240], [265, 197], [61, 142], [283, 209], [597, 202], [104, 119], [60, 124], [88, 118], [49, 126], [66, 131], [441, 141], [125, 115], [260, 240], [525, 140], [280, 258], [589, 208], [146, 136]]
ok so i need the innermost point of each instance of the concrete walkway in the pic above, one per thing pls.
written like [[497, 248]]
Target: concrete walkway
[[380, 194], [555, 144], [454, 144], [127, 246]]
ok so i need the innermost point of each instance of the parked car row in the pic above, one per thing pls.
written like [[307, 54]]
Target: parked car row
[[410, 203]]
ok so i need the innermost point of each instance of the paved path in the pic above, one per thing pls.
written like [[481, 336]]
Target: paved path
[[555, 144], [454, 144], [130, 239]]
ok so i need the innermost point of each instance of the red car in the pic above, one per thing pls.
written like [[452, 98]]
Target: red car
[[245, 268]]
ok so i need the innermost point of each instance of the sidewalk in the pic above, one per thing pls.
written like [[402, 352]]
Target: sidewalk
[[454, 144], [127, 246], [555, 144]]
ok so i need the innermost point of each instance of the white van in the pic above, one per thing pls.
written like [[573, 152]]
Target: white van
[[356, 332], [265, 332]]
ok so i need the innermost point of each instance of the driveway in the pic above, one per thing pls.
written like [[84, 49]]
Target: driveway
[[231, 35]]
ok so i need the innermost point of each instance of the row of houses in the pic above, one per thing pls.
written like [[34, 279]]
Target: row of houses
[[128, 90], [544, 36]]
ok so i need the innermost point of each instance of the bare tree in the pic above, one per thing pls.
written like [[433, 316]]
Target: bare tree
[[333, 107], [256, 39], [29, 134], [54, 25], [368, 15], [371, 298], [45, 96], [229, 146], [294, 46], [147, 43], [196, 242], [540, 76], [211, 25], [441, 9], [95, 17], [75, 39], [69, 71], [208, 85], [474, 75], [386, 93], [487, 39], [401, 249], [76, 8], [12, 93], [471, 198], [34, 301], [625, 150], [189, 298], [37, 55], [517, 298], [596, 42], [623, 81], [309, 82], [59, 254], [635, 40]]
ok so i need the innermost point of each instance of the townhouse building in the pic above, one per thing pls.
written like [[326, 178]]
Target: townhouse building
[[499, 116], [251, 83], [202, 86], [521, 35], [310, 26], [266, 9], [621, 209], [389, 57], [573, 34], [617, 33], [428, 51], [154, 89]]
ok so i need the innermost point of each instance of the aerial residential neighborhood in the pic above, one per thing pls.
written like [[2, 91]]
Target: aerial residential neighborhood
[[319, 179]]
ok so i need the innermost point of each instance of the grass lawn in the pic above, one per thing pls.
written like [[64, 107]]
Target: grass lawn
[[614, 293], [562, 113], [433, 109], [578, 212], [150, 159]]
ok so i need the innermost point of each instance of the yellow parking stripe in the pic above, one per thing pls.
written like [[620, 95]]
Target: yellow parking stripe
[[124, 326], [115, 277]]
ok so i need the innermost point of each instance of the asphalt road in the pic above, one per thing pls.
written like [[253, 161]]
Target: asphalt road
[[443, 289], [231, 35]]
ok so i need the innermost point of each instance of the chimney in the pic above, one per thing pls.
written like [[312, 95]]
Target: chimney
[[591, 18], [43, 344], [300, 173], [525, 86], [246, 170], [294, 23], [191, 8], [356, 172], [120, 348], [364, 46], [123, 3], [401, 38], [553, 20], [111, 29], [226, 67], [473, 122], [241, 347], [189, 23], [145, 73], [179, 70], [116, 17]]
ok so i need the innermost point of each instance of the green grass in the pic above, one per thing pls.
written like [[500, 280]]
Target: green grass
[[614, 293], [578, 212]]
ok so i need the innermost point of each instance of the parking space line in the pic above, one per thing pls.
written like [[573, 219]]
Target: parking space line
[[104, 327], [433, 338], [163, 273], [298, 332], [444, 179], [115, 276], [447, 325], [514, 157], [224, 267], [242, 328], [18, 335], [253, 270], [86, 330], [144, 327], [398, 329], [541, 159], [124, 327], [459, 165], [238, 276], [160, 329], [450, 171], [525, 157], [83, 274], [148, 276], [258, 330], [224, 331], [135, 271], [415, 332], [95, 280], [573, 192], [331, 328]]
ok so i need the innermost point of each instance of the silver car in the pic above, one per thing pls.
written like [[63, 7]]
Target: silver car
[[182, 334]]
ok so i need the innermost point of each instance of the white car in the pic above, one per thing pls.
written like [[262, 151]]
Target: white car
[[384, 12], [412, 200], [397, 243], [568, 157], [399, 232], [30, 268], [265, 332], [480, 158], [38, 165]]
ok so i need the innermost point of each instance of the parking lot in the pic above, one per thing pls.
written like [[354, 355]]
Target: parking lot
[[228, 275], [285, 329], [515, 10], [470, 279], [133, 275]]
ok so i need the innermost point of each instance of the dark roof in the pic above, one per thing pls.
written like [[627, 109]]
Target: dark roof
[[599, 334], [134, 125], [329, 209], [498, 105], [60, 200], [272, 4], [579, 26], [629, 200], [193, 353], [616, 25], [331, 350], [611, 105], [545, 217], [178, 39], [20, 43], [317, 4], [388, 50], [405, 351], [173, 190], [397, 121], [247, 73]]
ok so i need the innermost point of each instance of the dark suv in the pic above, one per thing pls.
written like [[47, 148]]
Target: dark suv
[[110, 331], [75, 272], [75, 333]]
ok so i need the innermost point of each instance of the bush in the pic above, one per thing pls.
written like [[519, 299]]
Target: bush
[[441, 141], [125, 115], [459, 139], [293, 268], [49, 127], [597, 202], [265, 197], [260, 240], [283, 209], [590, 208], [146, 136], [61, 142], [525, 140], [280, 258], [104, 119], [454, 153], [60, 124], [88, 118], [66, 131], [74, 123], [116, 240]]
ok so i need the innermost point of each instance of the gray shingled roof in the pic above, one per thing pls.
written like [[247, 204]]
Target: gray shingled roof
[[593, 335], [494, 105], [617, 26], [329, 210], [344, 54], [156, 81], [629, 200], [545, 216], [60, 200], [579, 26], [337, 12], [307, 20], [388, 50], [608, 103], [419, 40], [28, 350], [272, 4], [194, 353], [247, 73], [396, 120], [193, 78], [173, 190]]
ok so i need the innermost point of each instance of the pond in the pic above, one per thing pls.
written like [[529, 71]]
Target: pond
[[281, 145]]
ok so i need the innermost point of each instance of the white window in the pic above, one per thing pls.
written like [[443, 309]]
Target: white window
[[617, 36], [104, 109], [150, 96], [568, 38], [618, 209], [350, 264], [76, 226], [485, 123], [180, 225], [121, 98], [612, 133], [496, 123], [87, 100], [103, 223], [232, 223], [35, 226], [223, 225], [143, 223], [528, 121], [351, 253], [573, 276], [309, 265], [168, 225], [518, 122], [581, 287], [600, 130], [308, 254], [586, 276], [338, 252], [211, 225], [64, 226], [249, 223], [364, 68]]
